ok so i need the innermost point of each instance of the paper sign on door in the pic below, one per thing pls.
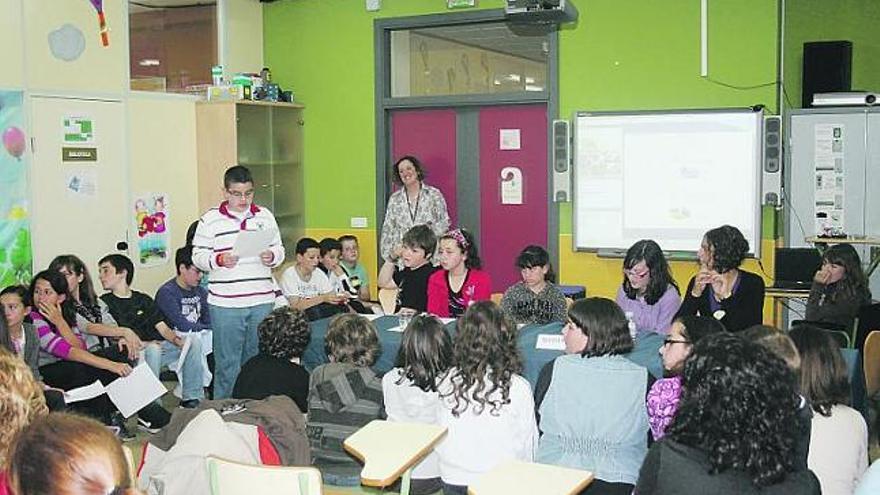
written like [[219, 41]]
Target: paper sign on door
[[511, 186]]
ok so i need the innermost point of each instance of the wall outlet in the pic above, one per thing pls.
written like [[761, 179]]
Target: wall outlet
[[373, 5], [358, 222]]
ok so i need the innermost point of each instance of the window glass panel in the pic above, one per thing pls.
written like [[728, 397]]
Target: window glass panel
[[172, 48], [483, 58]]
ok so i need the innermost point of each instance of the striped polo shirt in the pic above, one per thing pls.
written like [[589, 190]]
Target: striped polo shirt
[[249, 283]]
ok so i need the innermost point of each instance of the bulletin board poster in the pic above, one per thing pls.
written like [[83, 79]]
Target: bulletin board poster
[[151, 219], [15, 233], [829, 179]]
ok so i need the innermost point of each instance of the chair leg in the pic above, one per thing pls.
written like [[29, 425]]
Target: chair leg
[[405, 482]]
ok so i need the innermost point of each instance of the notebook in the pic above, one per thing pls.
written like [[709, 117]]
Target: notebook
[[796, 267]]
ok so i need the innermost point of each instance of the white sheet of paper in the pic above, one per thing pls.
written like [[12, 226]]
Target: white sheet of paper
[[250, 243], [372, 317], [508, 139], [133, 392], [397, 329], [550, 342], [84, 393]]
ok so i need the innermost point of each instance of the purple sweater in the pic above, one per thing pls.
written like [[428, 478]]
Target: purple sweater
[[655, 317]]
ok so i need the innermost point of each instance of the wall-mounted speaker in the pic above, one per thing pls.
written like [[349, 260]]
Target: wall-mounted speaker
[[561, 136], [771, 177]]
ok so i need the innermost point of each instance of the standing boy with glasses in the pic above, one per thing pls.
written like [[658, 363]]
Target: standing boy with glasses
[[241, 292]]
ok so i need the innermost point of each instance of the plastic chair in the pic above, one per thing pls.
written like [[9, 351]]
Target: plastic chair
[[871, 363], [388, 300], [235, 478]]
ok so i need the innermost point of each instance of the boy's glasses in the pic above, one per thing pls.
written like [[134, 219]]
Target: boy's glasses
[[240, 194]]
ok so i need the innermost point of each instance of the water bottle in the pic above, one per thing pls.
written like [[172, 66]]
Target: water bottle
[[631, 324]]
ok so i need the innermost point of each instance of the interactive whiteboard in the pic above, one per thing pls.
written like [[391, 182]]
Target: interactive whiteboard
[[668, 176]]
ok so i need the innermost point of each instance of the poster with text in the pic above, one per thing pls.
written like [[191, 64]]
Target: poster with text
[[15, 233], [151, 220]]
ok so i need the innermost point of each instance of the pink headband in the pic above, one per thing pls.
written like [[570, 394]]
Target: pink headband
[[459, 237]]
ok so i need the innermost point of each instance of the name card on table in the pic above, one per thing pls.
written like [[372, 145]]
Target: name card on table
[[550, 342]]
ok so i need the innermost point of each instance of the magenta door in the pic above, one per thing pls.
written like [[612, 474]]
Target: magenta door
[[505, 226], [429, 135]]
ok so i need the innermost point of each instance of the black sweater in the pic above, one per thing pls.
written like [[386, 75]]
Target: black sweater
[[741, 310]]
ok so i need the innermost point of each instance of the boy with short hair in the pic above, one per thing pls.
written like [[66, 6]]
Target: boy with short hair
[[339, 281], [241, 292], [356, 272], [307, 288], [139, 312], [418, 246]]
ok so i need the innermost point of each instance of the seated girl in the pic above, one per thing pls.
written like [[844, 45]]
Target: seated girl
[[65, 454], [591, 401], [344, 395], [410, 389], [838, 436], [839, 289], [65, 363], [665, 393], [461, 282], [722, 290], [648, 295], [92, 315], [536, 299], [735, 428], [276, 370], [22, 400], [485, 404]]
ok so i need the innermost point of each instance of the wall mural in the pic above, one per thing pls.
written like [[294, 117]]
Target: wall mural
[[15, 235]]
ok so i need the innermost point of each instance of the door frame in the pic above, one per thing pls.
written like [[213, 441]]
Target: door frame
[[384, 103]]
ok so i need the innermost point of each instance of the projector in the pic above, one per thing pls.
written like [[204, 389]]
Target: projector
[[850, 98], [540, 11]]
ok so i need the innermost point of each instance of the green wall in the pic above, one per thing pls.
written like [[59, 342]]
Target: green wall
[[823, 20], [621, 55]]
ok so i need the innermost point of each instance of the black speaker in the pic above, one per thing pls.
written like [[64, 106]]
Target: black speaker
[[827, 68], [771, 178], [561, 161]]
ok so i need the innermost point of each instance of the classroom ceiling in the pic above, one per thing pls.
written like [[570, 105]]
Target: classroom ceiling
[[497, 37]]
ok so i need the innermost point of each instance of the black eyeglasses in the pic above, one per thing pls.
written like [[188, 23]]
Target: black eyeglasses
[[674, 341]]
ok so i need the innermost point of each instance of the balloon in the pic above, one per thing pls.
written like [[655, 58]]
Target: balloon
[[13, 140]]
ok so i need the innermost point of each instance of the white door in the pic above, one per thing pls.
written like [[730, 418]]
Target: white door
[[79, 207]]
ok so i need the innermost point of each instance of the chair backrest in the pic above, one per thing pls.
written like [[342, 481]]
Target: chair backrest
[[388, 300], [871, 360], [496, 297], [235, 478], [867, 320]]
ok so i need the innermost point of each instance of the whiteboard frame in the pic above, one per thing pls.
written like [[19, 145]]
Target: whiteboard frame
[[754, 244]]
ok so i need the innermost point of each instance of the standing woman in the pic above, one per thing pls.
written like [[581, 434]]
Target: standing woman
[[720, 289], [415, 203], [648, 292], [839, 288]]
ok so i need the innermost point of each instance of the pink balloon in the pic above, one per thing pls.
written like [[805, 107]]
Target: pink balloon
[[13, 140]]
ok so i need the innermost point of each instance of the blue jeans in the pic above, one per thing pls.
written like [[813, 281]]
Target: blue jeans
[[160, 354], [235, 341]]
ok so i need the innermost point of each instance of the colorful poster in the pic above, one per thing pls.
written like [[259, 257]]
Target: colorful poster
[[15, 233], [151, 219]]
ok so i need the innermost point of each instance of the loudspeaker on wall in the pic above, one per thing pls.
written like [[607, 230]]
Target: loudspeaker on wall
[[561, 137], [771, 176]]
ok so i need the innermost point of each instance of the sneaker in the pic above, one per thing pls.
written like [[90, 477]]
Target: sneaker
[[189, 404], [153, 418], [117, 426]]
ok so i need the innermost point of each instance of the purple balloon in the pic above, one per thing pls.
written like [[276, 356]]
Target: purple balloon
[[13, 140]]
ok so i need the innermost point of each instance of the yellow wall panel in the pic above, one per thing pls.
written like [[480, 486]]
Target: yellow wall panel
[[11, 65], [162, 144], [98, 69]]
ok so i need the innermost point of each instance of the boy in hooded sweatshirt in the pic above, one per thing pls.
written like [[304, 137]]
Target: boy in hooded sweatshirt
[[344, 395]]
